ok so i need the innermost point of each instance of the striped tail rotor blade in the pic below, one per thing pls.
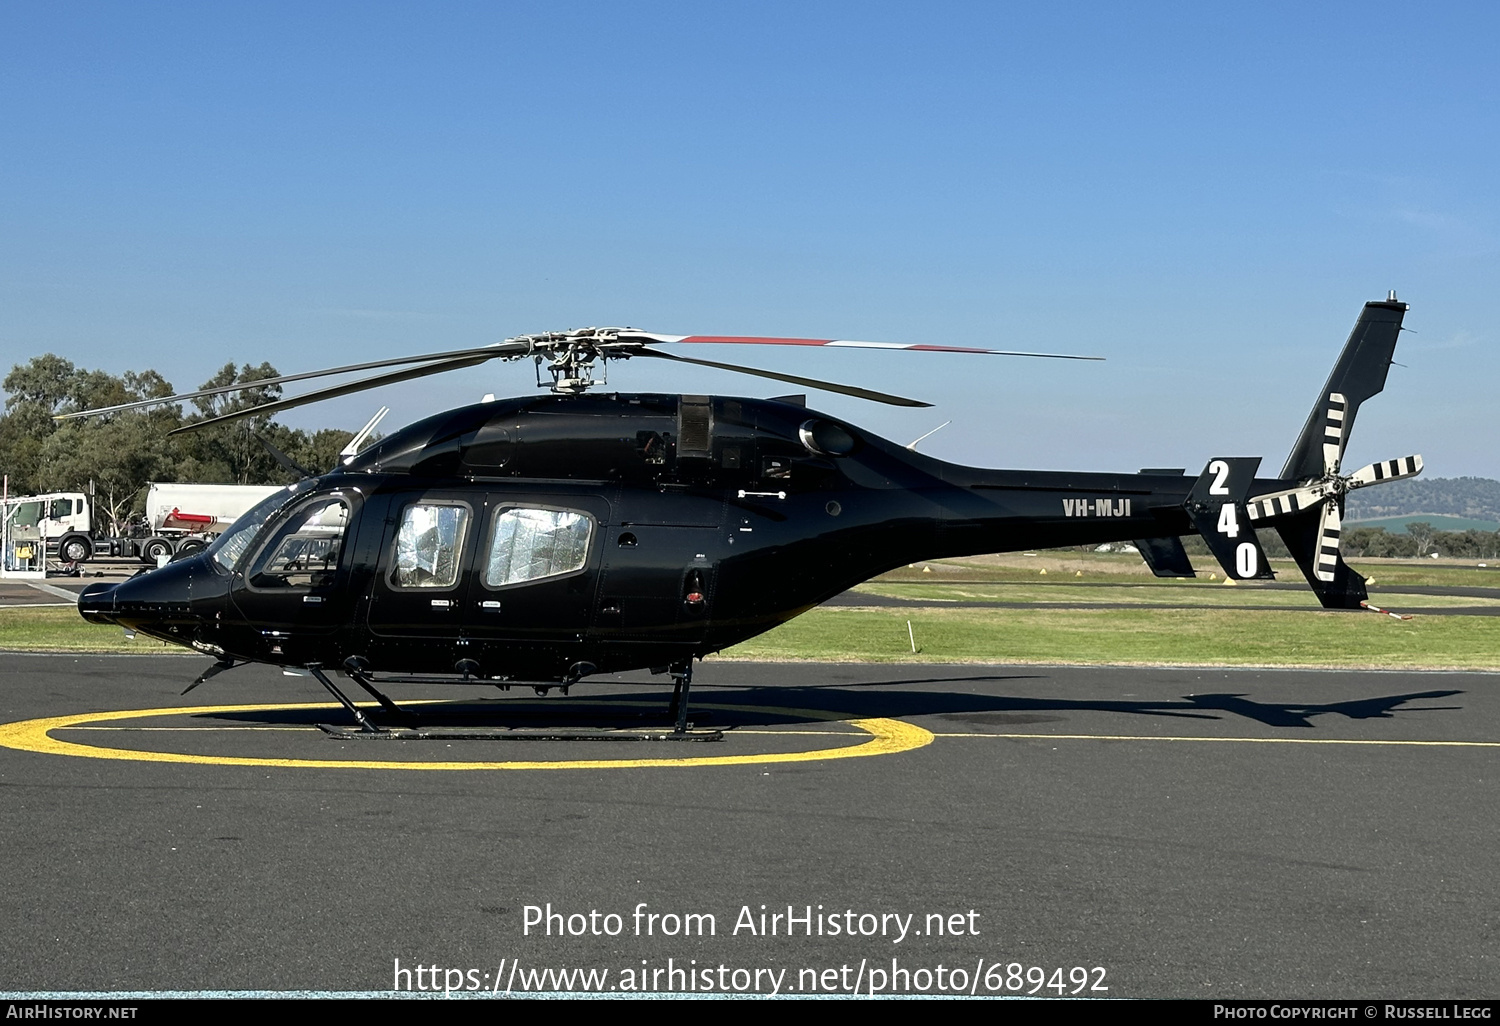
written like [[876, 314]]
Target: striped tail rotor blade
[[1386, 470], [1328, 543], [1276, 504], [1333, 433]]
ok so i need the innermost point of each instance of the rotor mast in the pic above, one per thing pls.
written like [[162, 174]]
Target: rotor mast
[[572, 357]]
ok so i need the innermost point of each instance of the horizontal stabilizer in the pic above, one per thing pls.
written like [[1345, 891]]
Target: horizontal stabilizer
[[1216, 506], [1165, 556]]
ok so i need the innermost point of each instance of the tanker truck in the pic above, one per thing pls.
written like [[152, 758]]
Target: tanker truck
[[65, 526]]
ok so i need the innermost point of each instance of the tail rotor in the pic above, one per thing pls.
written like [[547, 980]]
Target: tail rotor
[[1327, 493]]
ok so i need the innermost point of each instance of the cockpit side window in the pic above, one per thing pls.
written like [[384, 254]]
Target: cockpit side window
[[233, 543], [529, 544], [304, 551], [429, 545]]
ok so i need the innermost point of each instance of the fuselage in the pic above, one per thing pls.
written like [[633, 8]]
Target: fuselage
[[546, 538]]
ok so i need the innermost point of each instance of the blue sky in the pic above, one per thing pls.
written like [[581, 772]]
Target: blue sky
[[1203, 194]]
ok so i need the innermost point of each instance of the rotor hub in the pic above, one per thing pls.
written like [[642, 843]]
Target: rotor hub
[[573, 357]]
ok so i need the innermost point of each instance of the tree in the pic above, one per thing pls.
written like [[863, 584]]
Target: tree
[[35, 390], [320, 452], [119, 452], [230, 453], [120, 457], [123, 452], [1421, 533]]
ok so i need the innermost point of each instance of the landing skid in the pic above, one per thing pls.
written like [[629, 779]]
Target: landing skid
[[517, 734], [682, 677], [365, 725]]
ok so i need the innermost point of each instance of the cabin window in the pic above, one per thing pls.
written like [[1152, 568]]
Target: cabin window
[[429, 544], [529, 544], [304, 552]]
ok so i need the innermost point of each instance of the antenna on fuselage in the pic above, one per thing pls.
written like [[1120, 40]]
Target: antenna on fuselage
[[913, 445], [351, 450]]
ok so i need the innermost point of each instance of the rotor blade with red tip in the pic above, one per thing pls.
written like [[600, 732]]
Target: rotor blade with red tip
[[337, 390], [793, 379], [840, 343]]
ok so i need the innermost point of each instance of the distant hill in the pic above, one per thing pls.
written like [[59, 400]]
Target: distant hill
[[1436, 521], [1474, 498]]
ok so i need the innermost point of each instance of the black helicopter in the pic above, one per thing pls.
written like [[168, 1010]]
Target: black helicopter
[[544, 539]]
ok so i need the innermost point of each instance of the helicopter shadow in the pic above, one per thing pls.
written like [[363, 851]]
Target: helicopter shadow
[[997, 710], [1191, 706], [727, 707]]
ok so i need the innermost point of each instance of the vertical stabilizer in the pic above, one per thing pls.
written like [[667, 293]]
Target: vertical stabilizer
[[1309, 517], [1359, 374]]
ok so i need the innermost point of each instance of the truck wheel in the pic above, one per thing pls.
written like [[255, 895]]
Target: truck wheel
[[153, 548], [76, 549], [190, 547]]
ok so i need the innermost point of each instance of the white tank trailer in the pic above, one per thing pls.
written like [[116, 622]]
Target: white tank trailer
[[63, 525]]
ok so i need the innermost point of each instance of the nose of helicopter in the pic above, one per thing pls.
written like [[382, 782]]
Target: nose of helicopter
[[163, 594], [97, 602]]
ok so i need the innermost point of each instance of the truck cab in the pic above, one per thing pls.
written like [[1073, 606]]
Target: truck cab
[[59, 523]]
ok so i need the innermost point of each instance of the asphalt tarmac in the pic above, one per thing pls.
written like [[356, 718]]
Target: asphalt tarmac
[[1164, 833]]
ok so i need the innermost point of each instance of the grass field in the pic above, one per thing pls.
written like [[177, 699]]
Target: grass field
[[1133, 636], [61, 629], [1093, 594], [1282, 627], [1091, 567]]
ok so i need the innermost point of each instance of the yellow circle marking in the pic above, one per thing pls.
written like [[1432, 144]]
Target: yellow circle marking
[[887, 737]]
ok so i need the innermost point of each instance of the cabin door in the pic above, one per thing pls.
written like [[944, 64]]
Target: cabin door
[[296, 582], [425, 559], [536, 567]]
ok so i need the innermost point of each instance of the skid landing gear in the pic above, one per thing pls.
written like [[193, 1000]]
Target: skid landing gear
[[682, 675], [365, 725], [682, 679], [515, 734]]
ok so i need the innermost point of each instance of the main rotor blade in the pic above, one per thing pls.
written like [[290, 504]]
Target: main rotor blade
[[336, 391], [491, 351], [842, 343], [1386, 470], [827, 386], [285, 461]]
